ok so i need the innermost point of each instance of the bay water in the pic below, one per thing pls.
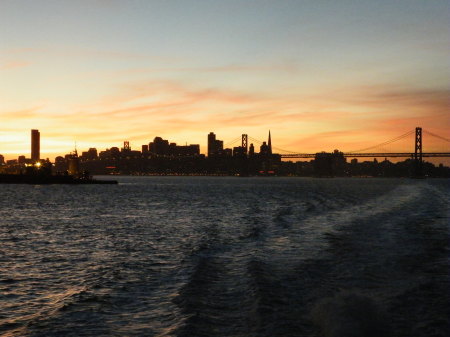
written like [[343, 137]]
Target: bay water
[[226, 256]]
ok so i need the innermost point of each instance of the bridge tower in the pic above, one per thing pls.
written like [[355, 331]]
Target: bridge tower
[[245, 143], [418, 163]]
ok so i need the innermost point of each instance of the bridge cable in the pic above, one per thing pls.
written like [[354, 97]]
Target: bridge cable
[[232, 142], [255, 140], [437, 136], [385, 143]]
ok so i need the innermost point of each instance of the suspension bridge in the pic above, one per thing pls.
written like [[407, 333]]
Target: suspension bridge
[[370, 152]]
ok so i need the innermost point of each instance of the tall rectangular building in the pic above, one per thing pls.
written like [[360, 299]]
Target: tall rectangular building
[[215, 146], [211, 143], [35, 145]]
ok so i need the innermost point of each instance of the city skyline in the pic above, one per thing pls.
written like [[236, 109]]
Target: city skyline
[[163, 157], [245, 145], [320, 75]]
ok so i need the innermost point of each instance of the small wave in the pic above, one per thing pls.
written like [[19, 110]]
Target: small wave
[[350, 314], [282, 216], [55, 303], [198, 298], [9, 280]]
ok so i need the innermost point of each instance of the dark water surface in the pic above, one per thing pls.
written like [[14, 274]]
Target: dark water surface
[[204, 256]]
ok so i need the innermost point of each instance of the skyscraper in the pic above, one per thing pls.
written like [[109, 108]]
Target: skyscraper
[[215, 146], [211, 143], [35, 145]]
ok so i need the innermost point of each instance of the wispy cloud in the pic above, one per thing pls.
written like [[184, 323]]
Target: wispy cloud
[[345, 118], [21, 114], [14, 64], [70, 51], [288, 67], [427, 99]]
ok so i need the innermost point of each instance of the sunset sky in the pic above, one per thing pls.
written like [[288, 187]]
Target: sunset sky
[[319, 74]]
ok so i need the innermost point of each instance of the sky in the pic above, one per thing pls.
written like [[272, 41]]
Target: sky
[[320, 75]]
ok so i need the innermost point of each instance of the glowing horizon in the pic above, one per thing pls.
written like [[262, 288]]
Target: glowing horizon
[[319, 75]]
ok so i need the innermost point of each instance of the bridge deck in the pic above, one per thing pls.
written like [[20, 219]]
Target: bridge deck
[[371, 155]]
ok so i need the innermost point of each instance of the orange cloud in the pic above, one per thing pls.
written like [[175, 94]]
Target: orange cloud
[[21, 114], [345, 118], [14, 64]]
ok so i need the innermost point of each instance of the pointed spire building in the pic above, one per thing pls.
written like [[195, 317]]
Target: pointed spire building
[[269, 144]]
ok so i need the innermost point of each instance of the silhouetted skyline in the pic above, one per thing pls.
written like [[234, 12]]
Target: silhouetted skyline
[[244, 146], [161, 156]]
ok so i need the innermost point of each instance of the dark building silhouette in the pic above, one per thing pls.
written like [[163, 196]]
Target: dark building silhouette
[[35, 145], [159, 146], [113, 152], [251, 150], [162, 147], [91, 154], [184, 150], [330, 164], [264, 149], [239, 151], [215, 146], [227, 152]]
